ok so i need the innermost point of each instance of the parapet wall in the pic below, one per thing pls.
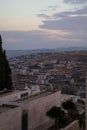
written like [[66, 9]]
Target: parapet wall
[[37, 111], [73, 126], [11, 119]]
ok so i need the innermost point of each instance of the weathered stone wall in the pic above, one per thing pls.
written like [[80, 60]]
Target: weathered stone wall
[[37, 111], [73, 126], [11, 119]]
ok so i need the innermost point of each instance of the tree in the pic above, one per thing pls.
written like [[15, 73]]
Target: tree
[[5, 71], [71, 109], [82, 120], [82, 114], [58, 114]]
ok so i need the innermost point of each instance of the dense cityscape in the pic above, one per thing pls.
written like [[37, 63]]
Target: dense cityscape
[[65, 71], [54, 81], [40, 87]]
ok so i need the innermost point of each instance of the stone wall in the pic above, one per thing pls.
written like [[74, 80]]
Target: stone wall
[[11, 119], [37, 119], [73, 126]]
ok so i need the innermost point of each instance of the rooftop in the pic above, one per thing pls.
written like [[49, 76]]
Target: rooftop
[[29, 99]]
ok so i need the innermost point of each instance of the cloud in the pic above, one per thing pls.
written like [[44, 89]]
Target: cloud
[[44, 10], [43, 16], [72, 21], [81, 11], [67, 24], [54, 7], [16, 40], [62, 29], [70, 13], [24, 39], [75, 1], [65, 14]]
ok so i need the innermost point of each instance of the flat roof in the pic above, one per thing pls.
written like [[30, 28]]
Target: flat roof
[[28, 100]]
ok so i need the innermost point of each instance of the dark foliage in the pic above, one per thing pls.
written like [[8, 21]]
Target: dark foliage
[[59, 115], [5, 71], [71, 109]]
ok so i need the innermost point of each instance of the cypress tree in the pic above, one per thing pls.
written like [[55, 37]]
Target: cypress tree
[[5, 71]]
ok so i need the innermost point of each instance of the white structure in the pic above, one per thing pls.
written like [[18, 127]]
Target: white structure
[[36, 108], [19, 95], [35, 88], [26, 87], [33, 107], [10, 117]]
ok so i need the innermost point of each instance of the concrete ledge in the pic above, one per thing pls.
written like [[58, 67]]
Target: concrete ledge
[[73, 126]]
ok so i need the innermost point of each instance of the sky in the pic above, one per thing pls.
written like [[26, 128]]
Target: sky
[[35, 24]]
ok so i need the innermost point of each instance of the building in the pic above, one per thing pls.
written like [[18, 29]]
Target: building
[[10, 117], [29, 111]]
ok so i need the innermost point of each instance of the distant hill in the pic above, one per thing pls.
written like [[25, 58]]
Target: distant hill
[[14, 53]]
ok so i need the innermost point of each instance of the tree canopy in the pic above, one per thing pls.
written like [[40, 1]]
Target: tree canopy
[[5, 71], [58, 114], [71, 109]]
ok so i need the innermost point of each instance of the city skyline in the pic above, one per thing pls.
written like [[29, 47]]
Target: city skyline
[[43, 24]]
